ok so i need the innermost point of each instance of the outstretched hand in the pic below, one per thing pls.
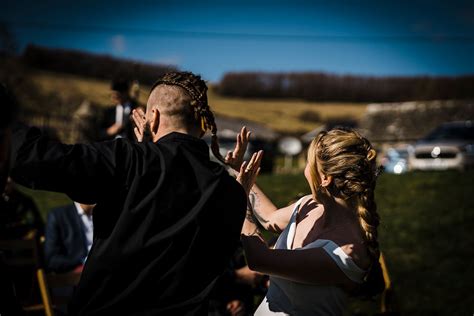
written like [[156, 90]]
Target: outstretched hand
[[139, 119], [235, 158], [249, 171]]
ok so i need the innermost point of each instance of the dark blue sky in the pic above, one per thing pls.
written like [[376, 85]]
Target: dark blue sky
[[211, 38]]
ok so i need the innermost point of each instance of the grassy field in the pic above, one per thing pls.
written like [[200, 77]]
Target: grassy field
[[281, 115], [426, 236]]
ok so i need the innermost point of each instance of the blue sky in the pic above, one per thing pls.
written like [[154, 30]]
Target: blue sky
[[211, 38]]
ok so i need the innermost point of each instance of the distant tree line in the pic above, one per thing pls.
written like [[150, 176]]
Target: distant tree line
[[92, 65], [327, 87]]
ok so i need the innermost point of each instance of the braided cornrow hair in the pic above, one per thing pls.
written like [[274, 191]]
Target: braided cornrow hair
[[350, 159], [197, 90]]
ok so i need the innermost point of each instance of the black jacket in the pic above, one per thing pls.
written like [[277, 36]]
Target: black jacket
[[65, 244], [166, 223]]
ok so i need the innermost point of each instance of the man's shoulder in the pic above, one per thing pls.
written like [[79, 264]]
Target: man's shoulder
[[231, 187]]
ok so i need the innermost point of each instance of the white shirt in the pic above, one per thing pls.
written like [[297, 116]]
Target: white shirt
[[121, 111], [88, 226], [119, 114]]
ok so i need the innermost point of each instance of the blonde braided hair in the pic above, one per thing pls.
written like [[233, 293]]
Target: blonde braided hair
[[196, 88], [351, 161]]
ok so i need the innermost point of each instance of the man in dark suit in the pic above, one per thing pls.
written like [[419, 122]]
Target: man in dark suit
[[115, 121], [68, 237]]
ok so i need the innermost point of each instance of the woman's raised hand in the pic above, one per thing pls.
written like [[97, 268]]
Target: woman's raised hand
[[249, 171], [139, 120], [235, 158]]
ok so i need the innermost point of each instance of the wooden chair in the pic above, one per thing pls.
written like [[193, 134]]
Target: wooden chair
[[387, 300], [48, 282]]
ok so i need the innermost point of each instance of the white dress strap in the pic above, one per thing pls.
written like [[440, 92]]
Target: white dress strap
[[292, 224]]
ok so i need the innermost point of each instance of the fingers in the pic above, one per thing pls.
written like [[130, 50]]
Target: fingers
[[138, 119], [243, 167], [228, 156], [254, 163], [140, 111], [244, 137], [138, 135]]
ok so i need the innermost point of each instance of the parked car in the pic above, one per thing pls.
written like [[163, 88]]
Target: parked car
[[449, 146], [395, 160]]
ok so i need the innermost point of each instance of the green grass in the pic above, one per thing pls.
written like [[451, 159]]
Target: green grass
[[426, 235]]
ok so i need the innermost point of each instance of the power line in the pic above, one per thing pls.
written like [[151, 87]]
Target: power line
[[60, 27]]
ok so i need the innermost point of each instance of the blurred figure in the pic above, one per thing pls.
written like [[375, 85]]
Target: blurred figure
[[69, 232], [135, 94], [84, 130], [116, 120], [19, 216]]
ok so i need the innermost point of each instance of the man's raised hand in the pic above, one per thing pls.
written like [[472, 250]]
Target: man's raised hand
[[139, 120]]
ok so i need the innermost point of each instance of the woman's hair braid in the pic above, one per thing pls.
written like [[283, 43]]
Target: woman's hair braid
[[350, 159]]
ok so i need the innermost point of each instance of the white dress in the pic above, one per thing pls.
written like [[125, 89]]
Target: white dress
[[285, 297]]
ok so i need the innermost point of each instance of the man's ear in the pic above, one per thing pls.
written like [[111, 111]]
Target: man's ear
[[325, 180], [155, 121]]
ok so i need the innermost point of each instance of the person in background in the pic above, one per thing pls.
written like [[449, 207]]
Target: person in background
[[115, 122], [69, 235], [135, 94]]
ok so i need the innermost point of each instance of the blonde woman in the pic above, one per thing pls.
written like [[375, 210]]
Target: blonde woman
[[328, 240]]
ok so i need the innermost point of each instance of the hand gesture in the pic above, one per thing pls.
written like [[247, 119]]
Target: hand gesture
[[139, 119], [234, 158], [249, 171]]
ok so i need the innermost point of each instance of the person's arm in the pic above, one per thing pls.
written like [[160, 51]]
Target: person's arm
[[268, 215], [54, 255], [309, 266], [84, 172]]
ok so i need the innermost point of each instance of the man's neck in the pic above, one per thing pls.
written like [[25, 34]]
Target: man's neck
[[165, 131]]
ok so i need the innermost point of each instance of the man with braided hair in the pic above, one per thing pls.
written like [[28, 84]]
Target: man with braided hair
[[167, 219]]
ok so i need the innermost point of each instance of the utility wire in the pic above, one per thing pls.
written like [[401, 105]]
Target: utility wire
[[60, 27]]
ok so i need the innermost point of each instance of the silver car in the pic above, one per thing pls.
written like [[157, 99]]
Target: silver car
[[449, 146]]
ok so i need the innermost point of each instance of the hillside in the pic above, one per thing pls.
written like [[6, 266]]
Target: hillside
[[286, 116]]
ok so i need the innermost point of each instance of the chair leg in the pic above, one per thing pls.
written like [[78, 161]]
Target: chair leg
[[45, 296]]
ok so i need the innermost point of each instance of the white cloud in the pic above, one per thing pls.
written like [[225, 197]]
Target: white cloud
[[117, 42]]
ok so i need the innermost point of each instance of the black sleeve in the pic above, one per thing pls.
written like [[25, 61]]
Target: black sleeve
[[83, 171], [54, 252]]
